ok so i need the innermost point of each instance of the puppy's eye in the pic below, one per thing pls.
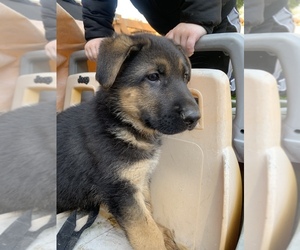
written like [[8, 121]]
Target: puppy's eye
[[186, 77], [154, 77]]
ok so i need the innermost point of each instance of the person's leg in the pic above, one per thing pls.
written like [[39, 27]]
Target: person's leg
[[211, 60]]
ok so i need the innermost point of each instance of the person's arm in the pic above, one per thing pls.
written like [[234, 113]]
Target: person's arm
[[186, 35], [98, 18], [254, 14], [48, 12], [204, 13], [197, 19]]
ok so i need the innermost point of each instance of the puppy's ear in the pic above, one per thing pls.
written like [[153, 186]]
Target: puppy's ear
[[113, 52]]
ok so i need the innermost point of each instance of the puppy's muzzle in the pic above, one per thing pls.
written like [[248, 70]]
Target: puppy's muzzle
[[190, 117]]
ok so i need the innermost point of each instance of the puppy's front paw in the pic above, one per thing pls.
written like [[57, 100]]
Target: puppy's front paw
[[169, 239]]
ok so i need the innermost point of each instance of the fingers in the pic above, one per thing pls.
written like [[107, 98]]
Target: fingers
[[190, 45], [184, 40], [50, 49], [186, 35], [92, 48]]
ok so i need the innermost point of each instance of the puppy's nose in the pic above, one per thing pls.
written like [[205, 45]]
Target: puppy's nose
[[190, 117]]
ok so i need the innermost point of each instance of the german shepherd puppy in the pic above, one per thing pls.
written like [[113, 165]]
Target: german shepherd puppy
[[108, 147]]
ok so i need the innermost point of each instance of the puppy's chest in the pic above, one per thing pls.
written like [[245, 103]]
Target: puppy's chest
[[139, 172]]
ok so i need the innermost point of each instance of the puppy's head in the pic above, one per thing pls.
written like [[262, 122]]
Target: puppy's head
[[147, 77]]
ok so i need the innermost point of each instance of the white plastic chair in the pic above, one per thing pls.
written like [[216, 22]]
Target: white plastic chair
[[287, 48], [196, 189], [76, 85], [29, 87], [270, 183], [232, 44]]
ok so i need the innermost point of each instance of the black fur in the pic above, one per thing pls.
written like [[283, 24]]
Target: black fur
[[90, 156], [28, 159]]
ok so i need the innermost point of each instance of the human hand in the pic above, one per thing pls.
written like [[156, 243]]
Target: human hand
[[92, 48], [186, 35], [50, 49]]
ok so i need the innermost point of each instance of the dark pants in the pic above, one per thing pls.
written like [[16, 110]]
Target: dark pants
[[210, 60]]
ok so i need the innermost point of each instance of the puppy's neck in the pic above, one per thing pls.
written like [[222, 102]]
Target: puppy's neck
[[124, 127], [130, 136]]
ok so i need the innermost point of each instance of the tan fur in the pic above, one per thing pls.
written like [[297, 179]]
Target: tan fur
[[131, 99], [142, 231], [130, 138], [122, 45], [163, 65], [139, 173]]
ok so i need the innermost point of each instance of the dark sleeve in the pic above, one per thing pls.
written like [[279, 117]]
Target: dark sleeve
[[206, 13], [72, 7], [49, 18], [258, 11], [254, 14], [98, 18]]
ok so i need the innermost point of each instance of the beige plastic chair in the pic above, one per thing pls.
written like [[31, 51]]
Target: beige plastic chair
[[70, 38], [18, 36], [76, 84], [233, 45], [270, 184], [196, 189], [287, 48], [29, 87]]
